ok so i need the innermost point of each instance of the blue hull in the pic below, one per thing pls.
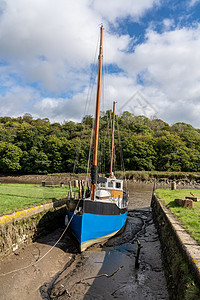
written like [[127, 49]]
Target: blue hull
[[93, 228]]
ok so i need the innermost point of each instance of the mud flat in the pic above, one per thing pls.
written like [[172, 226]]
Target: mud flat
[[101, 272]]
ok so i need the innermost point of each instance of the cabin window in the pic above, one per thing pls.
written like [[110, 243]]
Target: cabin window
[[103, 185], [110, 184], [118, 185]]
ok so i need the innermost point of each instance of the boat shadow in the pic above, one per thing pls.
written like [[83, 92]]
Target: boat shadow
[[100, 272], [51, 229], [111, 279]]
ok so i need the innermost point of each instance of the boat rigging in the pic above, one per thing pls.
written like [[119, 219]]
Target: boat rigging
[[104, 212]]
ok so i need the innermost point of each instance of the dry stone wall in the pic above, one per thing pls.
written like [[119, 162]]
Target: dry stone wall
[[180, 253], [27, 225]]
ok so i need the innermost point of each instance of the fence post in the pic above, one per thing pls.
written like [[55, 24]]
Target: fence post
[[173, 185], [70, 189], [75, 183]]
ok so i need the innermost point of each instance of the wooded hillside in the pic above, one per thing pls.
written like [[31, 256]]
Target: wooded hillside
[[30, 145]]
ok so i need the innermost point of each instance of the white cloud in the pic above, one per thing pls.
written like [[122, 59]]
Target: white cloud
[[116, 9], [168, 63], [171, 59], [60, 34], [60, 109], [168, 24], [45, 40], [49, 44], [17, 101], [193, 2]]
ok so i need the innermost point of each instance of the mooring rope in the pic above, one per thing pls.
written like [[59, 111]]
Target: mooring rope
[[36, 262]]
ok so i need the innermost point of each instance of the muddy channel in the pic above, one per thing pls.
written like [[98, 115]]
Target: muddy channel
[[108, 271]]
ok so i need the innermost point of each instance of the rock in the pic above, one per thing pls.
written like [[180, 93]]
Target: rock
[[184, 202]]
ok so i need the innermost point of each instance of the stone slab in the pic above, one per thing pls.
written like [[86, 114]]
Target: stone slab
[[184, 202]]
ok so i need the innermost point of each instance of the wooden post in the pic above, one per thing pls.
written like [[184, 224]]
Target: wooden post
[[70, 189], [154, 186], [138, 254], [75, 183], [79, 188], [88, 189], [82, 188], [173, 185]]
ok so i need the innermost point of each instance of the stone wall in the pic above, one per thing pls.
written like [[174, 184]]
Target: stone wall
[[180, 254], [27, 225]]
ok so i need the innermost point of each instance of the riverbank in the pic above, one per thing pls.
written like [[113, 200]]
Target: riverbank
[[15, 197], [188, 217], [148, 281], [53, 277], [165, 178], [180, 254]]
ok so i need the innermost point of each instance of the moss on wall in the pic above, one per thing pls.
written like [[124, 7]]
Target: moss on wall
[[27, 229]]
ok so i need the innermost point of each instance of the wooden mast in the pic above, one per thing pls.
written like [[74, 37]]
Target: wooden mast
[[94, 174], [112, 144]]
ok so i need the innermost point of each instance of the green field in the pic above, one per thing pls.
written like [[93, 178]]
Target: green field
[[15, 197], [189, 217]]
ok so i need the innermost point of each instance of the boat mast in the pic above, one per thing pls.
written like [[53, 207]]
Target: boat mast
[[94, 173], [112, 144]]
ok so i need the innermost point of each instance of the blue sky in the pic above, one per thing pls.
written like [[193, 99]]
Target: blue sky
[[151, 55]]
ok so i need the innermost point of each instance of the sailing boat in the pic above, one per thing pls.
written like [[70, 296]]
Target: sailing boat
[[103, 214]]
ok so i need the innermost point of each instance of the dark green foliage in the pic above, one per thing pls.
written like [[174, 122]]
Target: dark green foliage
[[37, 146], [9, 157], [139, 153], [35, 161]]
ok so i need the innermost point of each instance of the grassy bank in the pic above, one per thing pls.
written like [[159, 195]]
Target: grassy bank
[[15, 197], [189, 217]]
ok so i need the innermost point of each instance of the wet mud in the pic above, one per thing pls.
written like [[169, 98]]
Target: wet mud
[[103, 271]]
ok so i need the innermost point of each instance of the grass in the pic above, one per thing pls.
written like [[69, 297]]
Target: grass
[[188, 217], [14, 197]]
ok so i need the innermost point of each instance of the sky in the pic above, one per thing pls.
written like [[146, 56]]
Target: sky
[[48, 51]]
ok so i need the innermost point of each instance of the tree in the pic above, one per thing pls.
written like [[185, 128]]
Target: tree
[[31, 146], [88, 120], [35, 161], [139, 153], [29, 137], [172, 154], [53, 147], [9, 157], [27, 118], [159, 127]]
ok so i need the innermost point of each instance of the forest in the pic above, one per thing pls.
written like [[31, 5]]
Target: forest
[[36, 146]]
